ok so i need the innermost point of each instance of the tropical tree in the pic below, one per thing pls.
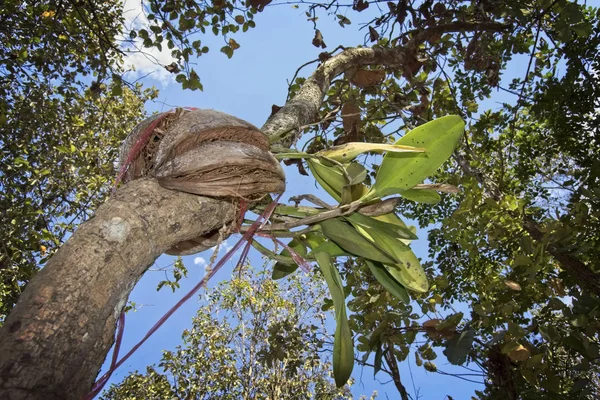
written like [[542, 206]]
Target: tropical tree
[[253, 339], [61, 122], [517, 244]]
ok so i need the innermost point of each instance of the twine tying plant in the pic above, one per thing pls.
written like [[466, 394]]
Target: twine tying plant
[[204, 152]]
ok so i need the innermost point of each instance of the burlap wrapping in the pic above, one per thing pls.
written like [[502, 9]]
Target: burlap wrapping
[[205, 152]]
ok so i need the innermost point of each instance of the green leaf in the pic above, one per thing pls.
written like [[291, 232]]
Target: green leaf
[[387, 281], [399, 231], [399, 172], [343, 346], [356, 172], [406, 267], [393, 218], [459, 347], [350, 240], [508, 347], [378, 360], [332, 249], [339, 182], [349, 151], [117, 90], [427, 196], [450, 322], [330, 177]]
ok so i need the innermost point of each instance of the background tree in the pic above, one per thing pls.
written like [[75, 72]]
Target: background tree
[[253, 339], [518, 243], [63, 115]]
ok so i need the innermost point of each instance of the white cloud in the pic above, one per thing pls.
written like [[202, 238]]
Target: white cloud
[[223, 248], [144, 61], [227, 246], [200, 261]]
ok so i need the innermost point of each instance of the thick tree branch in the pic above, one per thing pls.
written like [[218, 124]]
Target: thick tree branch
[[303, 109], [56, 338]]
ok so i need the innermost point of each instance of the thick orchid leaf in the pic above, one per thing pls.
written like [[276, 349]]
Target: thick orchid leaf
[[387, 281], [395, 230], [349, 151], [406, 267], [345, 236], [402, 171], [343, 346]]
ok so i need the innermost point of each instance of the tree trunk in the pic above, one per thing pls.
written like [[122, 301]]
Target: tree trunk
[[56, 338]]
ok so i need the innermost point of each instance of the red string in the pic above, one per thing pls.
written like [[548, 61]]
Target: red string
[[140, 143], [247, 236], [113, 364], [298, 259], [243, 208]]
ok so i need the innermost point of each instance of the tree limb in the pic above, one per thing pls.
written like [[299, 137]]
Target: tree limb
[[303, 109], [388, 354], [59, 332]]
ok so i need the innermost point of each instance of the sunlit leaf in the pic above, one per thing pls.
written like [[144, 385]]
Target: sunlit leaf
[[343, 346], [399, 172]]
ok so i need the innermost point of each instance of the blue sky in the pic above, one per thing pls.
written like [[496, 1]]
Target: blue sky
[[247, 86]]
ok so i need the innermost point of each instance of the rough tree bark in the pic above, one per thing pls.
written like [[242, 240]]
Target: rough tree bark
[[55, 340]]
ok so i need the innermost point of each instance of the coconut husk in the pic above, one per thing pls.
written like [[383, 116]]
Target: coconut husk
[[205, 152]]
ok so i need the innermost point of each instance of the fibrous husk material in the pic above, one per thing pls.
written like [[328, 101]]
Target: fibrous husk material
[[204, 152]]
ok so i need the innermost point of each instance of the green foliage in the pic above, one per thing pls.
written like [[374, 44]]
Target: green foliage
[[254, 338], [399, 172], [179, 272], [343, 347], [527, 168], [56, 166], [62, 120], [180, 27]]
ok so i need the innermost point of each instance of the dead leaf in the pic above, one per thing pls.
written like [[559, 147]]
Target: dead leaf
[[373, 35], [431, 324], [412, 66], [431, 331], [519, 354], [233, 44], [259, 4], [318, 40], [351, 120], [298, 163], [172, 68], [368, 77], [274, 109], [439, 8], [324, 56], [512, 285], [558, 286], [360, 5]]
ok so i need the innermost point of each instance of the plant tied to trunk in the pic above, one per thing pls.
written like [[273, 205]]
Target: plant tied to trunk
[[204, 152]]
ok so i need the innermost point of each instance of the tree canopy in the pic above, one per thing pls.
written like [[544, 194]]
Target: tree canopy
[[253, 339], [518, 243]]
